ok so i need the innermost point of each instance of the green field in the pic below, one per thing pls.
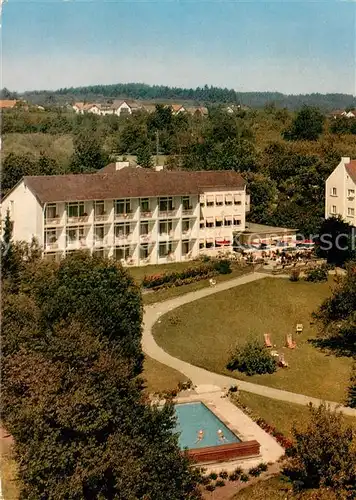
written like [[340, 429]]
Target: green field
[[204, 331]]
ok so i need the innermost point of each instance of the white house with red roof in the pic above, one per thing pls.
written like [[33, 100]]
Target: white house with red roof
[[340, 191]]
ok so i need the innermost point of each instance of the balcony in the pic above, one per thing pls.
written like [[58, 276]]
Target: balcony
[[166, 236], [82, 219], [145, 238], [101, 218], [186, 234], [123, 239], [77, 244], [52, 246], [188, 211], [162, 214], [124, 216], [52, 221], [146, 260], [146, 215]]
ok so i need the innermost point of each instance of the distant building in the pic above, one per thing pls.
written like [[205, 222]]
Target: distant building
[[340, 191], [135, 215], [177, 108], [342, 113], [118, 107], [8, 103], [197, 110]]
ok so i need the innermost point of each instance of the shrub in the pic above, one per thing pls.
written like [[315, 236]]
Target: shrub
[[223, 266], [223, 474], [252, 358], [254, 472], [205, 480], [262, 466], [210, 487], [233, 388], [294, 275], [238, 471], [233, 476], [220, 483], [213, 475], [244, 478], [317, 274]]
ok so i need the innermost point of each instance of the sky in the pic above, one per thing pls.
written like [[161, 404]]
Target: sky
[[288, 46]]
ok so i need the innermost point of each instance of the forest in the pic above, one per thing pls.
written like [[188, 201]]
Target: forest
[[199, 96], [284, 156]]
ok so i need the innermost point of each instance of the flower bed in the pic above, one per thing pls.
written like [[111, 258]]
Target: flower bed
[[279, 437], [190, 275]]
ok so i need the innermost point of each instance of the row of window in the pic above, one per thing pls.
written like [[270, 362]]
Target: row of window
[[212, 222], [124, 253], [350, 211], [120, 230], [350, 192], [220, 200], [123, 206]]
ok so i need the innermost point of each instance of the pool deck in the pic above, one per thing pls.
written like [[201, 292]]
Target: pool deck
[[240, 423]]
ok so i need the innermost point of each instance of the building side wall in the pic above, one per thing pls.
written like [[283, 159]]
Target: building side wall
[[26, 214], [342, 203]]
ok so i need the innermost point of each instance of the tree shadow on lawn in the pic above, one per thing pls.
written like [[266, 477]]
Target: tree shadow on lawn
[[340, 345]]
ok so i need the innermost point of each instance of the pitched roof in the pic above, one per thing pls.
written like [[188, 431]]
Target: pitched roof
[[177, 107], [129, 182], [132, 104], [351, 169], [7, 103], [78, 105]]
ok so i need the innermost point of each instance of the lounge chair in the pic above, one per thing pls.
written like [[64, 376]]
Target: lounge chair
[[290, 343], [267, 338], [299, 328]]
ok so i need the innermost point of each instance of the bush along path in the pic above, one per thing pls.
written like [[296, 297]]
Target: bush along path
[[204, 379]]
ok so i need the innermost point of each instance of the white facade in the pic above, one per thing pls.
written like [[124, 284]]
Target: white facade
[[135, 231], [340, 192]]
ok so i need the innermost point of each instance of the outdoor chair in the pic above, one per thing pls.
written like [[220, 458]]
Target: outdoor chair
[[299, 328], [267, 338], [290, 343]]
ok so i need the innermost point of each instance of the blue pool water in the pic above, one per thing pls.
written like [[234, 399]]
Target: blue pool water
[[193, 417]]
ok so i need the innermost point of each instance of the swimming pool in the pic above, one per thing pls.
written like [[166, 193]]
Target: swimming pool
[[193, 417]]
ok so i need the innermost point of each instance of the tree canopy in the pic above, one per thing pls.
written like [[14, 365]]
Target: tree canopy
[[323, 454], [72, 396]]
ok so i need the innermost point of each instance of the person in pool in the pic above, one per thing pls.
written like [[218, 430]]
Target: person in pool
[[221, 436], [200, 436]]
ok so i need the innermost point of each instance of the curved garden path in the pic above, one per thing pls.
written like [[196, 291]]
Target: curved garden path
[[203, 379]]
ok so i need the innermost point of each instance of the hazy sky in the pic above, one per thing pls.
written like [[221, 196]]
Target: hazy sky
[[289, 46]]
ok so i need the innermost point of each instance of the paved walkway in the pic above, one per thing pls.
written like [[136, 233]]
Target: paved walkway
[[201, 377]]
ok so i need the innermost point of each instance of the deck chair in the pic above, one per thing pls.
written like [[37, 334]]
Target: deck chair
[[281, 361], [299, 328], [267, 338], [290, 343]]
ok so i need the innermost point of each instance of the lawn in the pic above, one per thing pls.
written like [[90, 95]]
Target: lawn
[[272, 305], [281, 414], [159, 377]]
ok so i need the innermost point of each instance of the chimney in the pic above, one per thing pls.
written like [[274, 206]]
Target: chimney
[[121, 164]]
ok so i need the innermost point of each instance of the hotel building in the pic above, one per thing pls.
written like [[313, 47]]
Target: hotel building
[[137, 216]]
